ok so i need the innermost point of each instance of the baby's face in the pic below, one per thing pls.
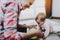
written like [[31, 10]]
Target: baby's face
[[39, 21]]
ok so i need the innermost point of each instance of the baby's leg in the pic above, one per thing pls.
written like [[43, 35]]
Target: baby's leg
[[50, 29]]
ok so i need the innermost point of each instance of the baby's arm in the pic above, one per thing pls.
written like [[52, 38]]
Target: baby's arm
[[46, 33], [50, 29]]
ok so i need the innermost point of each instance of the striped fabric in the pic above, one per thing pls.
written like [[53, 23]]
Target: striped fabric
[[8, 13]]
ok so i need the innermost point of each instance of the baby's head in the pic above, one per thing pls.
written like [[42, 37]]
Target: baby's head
[[40, 18]]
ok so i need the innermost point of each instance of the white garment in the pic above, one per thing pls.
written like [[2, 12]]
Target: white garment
[[49, 23]]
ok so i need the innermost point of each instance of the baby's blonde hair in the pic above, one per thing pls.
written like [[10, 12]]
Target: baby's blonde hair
[[42, 16]]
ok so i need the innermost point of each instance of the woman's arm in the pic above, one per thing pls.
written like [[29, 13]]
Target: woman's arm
[[26, 26], [36, 33]]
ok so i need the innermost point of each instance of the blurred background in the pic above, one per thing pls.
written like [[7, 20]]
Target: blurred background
[[50, 7]]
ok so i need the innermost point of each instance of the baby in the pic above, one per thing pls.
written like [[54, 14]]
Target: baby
[[46, 25]]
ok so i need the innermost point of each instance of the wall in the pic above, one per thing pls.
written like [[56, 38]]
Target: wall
[[56, 8], [23, 1]]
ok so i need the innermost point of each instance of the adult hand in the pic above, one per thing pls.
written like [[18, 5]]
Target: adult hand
[[32, 26]]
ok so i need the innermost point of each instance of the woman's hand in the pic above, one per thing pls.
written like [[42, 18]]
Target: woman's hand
[[32, 26]]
